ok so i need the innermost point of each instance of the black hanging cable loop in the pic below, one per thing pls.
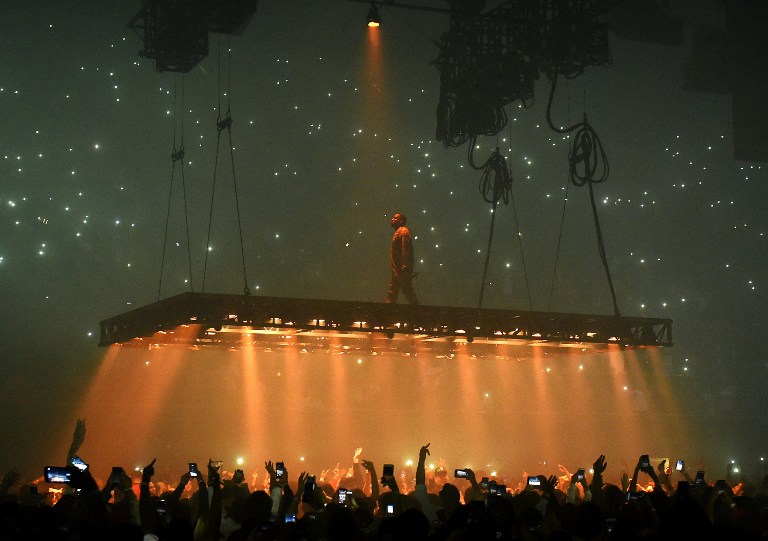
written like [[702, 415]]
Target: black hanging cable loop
[[587, 164], [495, 185]]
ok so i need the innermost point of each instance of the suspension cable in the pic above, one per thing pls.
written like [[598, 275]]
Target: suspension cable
[[562, 214], [221, 125], [519, 236], [586, 159], [177, 155], [184, 182]]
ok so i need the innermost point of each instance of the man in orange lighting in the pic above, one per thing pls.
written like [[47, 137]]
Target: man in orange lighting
[[401, 261]]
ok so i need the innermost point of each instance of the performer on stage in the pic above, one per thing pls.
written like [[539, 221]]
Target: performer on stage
[[401, 262]]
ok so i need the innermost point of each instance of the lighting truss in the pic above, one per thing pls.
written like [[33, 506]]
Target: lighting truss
[[234, 321], [175, 32]]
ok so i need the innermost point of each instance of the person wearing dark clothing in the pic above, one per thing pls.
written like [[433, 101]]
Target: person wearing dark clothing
[[401, 262]]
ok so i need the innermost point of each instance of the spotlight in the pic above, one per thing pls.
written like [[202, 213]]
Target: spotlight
[[374, 19]]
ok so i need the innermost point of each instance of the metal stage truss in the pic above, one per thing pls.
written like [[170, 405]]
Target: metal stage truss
[[206, 320]]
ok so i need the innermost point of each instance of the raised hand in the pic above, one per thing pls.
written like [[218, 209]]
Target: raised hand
[[471, 476], [599, 466], [271, 471], [302, 482], [356, 458], [548, 484], [423, 453], [148, 471]]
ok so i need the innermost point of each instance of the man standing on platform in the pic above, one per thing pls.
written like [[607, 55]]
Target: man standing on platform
[[401, 262]]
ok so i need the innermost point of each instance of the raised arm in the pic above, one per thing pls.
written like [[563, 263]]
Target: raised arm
[[596, 485], [369, 466], [421, 475], [78, 436], [147, 507]]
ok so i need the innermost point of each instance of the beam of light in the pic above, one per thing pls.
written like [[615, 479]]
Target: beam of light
[[544, 410], [253, 401], [339, 396], [668, 427], [619, 397], [126, 399]]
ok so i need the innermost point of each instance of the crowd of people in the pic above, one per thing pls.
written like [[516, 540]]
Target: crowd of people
[[210, 504]]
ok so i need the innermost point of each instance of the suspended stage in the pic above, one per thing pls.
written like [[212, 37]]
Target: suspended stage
[[207, 320]]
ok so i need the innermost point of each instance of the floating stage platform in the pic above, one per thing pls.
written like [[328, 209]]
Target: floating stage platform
[[207, 320]]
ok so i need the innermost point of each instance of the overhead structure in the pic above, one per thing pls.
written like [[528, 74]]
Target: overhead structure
[[489, 60], [175, 32], [235, 321]]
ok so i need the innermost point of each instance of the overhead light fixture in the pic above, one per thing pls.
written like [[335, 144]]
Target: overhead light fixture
[[374, 19]]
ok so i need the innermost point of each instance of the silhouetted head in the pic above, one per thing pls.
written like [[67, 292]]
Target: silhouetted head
[[398, 220]]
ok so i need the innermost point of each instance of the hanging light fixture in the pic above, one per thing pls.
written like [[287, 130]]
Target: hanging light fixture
[[374, 19]]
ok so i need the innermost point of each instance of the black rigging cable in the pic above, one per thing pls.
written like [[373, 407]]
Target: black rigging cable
[[221, 125], [586, 159], [177, 155], [495, 185], [562, 215]]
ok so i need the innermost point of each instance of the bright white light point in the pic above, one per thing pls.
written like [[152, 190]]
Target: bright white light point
[[549, 370], [277, 235], [626, 388], [239, 460], [96, 146], [487, 395], [359, 361], [90, 333], [581, 367]]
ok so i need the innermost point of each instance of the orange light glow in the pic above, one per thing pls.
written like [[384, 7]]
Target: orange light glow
[[500, 409]]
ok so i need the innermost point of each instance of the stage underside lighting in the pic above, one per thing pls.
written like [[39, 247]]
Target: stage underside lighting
[[273, 323]]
